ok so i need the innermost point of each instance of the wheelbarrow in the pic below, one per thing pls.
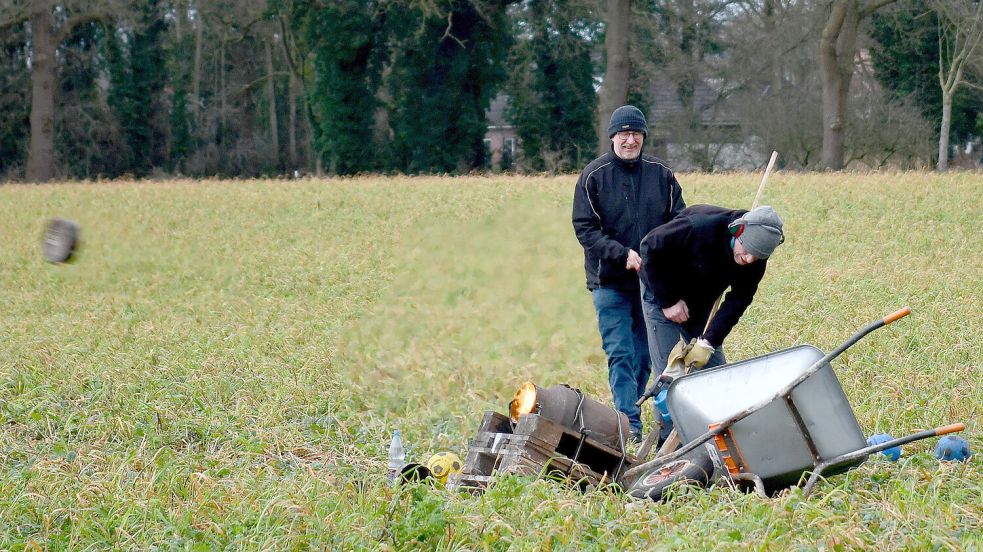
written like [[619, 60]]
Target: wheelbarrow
[[765, 421]]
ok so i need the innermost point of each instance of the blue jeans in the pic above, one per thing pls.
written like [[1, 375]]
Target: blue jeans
[[625, 342], [663, 334]]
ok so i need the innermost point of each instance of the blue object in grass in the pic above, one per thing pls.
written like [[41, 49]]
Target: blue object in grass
[[660, 404], [893, 453], [952, 449]]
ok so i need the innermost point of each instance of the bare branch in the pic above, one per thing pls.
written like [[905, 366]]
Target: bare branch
[[242, 29], [960, 34], [286, 45], [447, 31], [874, 6], [13, 16], [262, 80]]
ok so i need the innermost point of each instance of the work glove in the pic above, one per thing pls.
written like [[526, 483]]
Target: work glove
[[675, 367], [698, 354], [676, 364]]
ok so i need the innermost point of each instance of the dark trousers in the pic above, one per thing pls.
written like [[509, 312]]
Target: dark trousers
[[663, 334], [624, 338]]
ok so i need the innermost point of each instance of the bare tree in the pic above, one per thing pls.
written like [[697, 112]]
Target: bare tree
[[778, 102], [297, 62], [771, 59], [837, 50], [684, 61], [886, 132], [960, 36], [614, 90], [196, 68], [51, 23], [271, 100]]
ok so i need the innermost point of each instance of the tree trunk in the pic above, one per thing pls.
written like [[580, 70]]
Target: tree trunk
[[943, 163], [614, 91], [44, 77], [271, 95], [837, 47], [307, 127], [221, 89], [771, 26], [196, 78], [292, 127], [179, 15]]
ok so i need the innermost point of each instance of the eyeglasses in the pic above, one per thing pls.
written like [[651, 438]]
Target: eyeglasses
[[624, 134]]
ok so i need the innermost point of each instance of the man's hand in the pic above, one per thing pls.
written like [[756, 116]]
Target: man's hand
[[634, 261], [678, 313], [699, 354]]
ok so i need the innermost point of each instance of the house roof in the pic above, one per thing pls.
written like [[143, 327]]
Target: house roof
[[711, 100]]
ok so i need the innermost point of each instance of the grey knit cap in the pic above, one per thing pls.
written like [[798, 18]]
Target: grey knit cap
[[627, 117], [762, 231]]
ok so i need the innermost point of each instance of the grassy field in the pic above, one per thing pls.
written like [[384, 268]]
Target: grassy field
[[224, 363]]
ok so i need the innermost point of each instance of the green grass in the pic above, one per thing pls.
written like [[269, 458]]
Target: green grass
[[223, 364]]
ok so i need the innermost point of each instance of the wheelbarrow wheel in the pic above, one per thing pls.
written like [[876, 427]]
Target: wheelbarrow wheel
[[693, 468]]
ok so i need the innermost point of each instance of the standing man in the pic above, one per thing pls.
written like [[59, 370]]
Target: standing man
[[688, 262], [620, 197]]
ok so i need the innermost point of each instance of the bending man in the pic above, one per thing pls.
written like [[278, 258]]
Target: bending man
[[688, 262]]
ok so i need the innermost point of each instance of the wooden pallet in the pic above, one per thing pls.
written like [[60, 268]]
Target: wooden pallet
[[538, 447]]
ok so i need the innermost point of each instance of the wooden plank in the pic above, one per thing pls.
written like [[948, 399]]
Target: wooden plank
[[527, 461], [535, 446], [491, 439], [551, 432], [496, 423], [670, 445], [543, 428]]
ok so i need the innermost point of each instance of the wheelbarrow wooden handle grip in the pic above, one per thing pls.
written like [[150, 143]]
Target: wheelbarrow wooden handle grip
[[897, 315], [951, 428]]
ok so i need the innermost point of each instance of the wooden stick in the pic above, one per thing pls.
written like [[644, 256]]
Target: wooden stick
[[669, 445], [761, 187]]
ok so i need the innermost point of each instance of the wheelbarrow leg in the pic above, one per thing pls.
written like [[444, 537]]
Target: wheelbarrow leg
[[759, 485], [866, 451]]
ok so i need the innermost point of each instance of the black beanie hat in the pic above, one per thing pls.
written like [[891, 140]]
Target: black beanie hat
[[627, 117]]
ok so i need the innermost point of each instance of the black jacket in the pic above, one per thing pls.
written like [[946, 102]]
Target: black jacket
[[691, 258], [615, 204]]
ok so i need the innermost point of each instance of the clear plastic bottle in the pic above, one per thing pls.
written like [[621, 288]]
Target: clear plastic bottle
[[397, 456]]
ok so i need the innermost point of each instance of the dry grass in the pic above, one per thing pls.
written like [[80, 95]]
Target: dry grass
[[222, 365]]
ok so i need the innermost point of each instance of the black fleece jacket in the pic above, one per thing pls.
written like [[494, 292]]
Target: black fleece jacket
[[691, 258], [616, 203]]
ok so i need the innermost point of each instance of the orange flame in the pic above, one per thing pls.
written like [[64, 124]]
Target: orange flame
[[524, 401]]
